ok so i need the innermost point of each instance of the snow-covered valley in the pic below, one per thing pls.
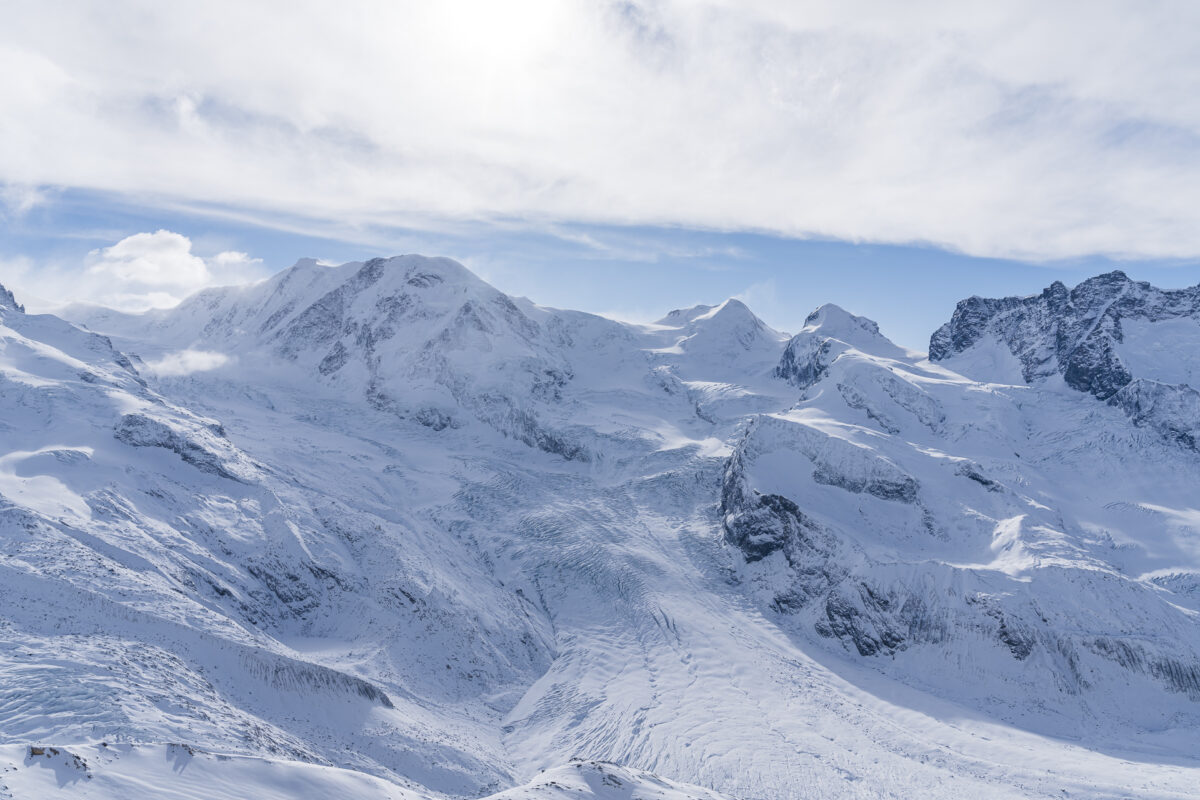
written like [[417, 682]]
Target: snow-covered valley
[[380, 530]]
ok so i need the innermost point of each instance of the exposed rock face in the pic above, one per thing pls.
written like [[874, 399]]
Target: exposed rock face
[[7, 300], [761, 524], [828, 332], [871, 619], [204, 447], [1079, 334], [1172, 410]]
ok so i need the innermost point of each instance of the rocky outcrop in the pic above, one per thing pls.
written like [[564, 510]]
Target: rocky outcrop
[[1171, 410], [805, 360], [1071, 332], [871, 619], [828, 332], [761, 524], [203, 447], [9, 301], [1077, 334]]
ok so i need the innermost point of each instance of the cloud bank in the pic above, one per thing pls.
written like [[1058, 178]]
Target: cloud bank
[[1020, 129], [140, 272]]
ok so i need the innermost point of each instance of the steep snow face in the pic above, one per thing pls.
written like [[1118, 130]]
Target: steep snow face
[[911, 513], [1164, 351], [1120, 340], [400, 535]]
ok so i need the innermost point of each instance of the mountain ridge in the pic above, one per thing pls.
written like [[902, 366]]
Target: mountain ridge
[[1079, 334], [490, 537]]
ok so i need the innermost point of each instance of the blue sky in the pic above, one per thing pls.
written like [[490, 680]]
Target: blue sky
[[619, 156], [632, 272]]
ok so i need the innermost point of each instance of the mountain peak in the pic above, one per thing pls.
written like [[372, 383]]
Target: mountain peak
[[681, 316], [711, 329], [438, 268], [412, 264], [732, 310], [833, 319], [1112, 276], [1101, 289], [829, 331], [9, 301]]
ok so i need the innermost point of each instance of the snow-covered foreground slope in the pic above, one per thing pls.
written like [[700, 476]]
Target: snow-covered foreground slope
[[181, 772], [381, 530]]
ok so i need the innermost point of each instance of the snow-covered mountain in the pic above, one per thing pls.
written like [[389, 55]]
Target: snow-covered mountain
[[382, 530]]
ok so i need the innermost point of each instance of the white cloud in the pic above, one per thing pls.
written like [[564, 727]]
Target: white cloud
[[140, 272], [234, 259], [1020, 128], [162, 258], [186, 362]]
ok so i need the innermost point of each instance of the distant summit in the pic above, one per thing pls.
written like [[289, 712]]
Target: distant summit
[[829, 331]]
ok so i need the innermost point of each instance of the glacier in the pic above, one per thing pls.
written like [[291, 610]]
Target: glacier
[[381, 530]]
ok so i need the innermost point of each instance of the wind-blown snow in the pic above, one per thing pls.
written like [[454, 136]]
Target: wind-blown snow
[[415, 538]]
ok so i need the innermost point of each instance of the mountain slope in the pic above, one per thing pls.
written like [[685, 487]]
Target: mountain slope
[[941, 523], [392, 521]]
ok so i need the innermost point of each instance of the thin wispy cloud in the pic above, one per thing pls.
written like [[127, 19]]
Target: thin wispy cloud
[[1017, 129], [17, 200]]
